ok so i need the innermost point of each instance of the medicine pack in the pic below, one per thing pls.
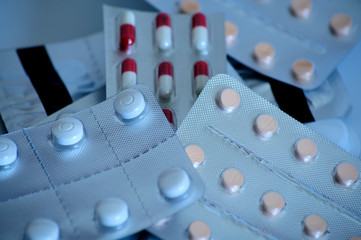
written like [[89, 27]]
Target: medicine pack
[[102, 173], [172, 54], [29, 89], [267, 171], [299, 42]]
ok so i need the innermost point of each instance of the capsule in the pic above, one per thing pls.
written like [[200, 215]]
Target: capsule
[[169, 115], [129, 73], [165, 80], [201, 75], [127, 31], [199, 32], [163, 32]]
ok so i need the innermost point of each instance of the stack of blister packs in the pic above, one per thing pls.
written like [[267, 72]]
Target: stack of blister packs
[[173, 148]]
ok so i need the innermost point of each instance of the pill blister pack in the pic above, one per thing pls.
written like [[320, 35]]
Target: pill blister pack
[[266, 170], [318, 33], [103, 173], [172, 54]]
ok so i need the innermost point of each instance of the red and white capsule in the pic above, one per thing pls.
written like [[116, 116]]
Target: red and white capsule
[[165, 80], [169, 115], [129, 73], [201, 75], [199, 32], [127, 31], [163, 31]]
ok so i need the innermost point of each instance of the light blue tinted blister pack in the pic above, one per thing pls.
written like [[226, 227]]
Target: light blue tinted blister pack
[[164, 54], [102, 173], [321, 32], [79, 64], [268, 171]]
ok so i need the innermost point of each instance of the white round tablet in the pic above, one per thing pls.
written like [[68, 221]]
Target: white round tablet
[[129, 104], [112, 212], [314, 226], [8, 151], [67, 131], [199, 230], [174, 182], [42, 229]]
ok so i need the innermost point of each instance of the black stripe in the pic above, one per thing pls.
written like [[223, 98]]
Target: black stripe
[[46, 81], [290, 99]]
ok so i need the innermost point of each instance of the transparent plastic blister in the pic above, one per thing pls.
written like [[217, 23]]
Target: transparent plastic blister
[[167, 71], [110, 163], [311, 38], [263, 160]]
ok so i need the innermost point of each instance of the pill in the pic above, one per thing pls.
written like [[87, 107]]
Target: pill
[[112, 212], [67, 131], [169, 115], [129, 73], [42, 229], [232, 180], [189, 6], [346, 174], [165, 80], [301, 8], [8, 151], [272, 204], [341, 24], [201, 75], [314, 226], [355, 238], [199, 230], [129, 104], [305, 150], [265, 126], [263, 53], [302, 71], [199, 32], [228, 99], [127, 31], [174, 183], [231, 31], [195, 154], [163, 32]]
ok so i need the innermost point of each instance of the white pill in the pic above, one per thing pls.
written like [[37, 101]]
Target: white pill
[[128, 17], [314, 226], [232, 180], [199, 32], [129, 104], [302, 71], [112, 212], [8, 151], [165, 80], [199, 230], [341, 24], [301, 8], [195, 154], [174, 183], [264, 53], [305, 150], [346, 174], [228, 100], [272, 204], [42, 229], [67, 131], [163, 32], [265, 126]]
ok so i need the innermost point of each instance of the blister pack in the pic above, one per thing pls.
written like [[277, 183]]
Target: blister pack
[[172, 54], [319, 34], [102, 173], [267, 171]]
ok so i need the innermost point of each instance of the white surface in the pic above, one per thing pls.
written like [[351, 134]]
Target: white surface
[[165, 86], [200, 38], [8, 151], [129, 104], [163, 36], [112, 212], [129, 79], [42, 229], [174, 183], [67, 131]]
